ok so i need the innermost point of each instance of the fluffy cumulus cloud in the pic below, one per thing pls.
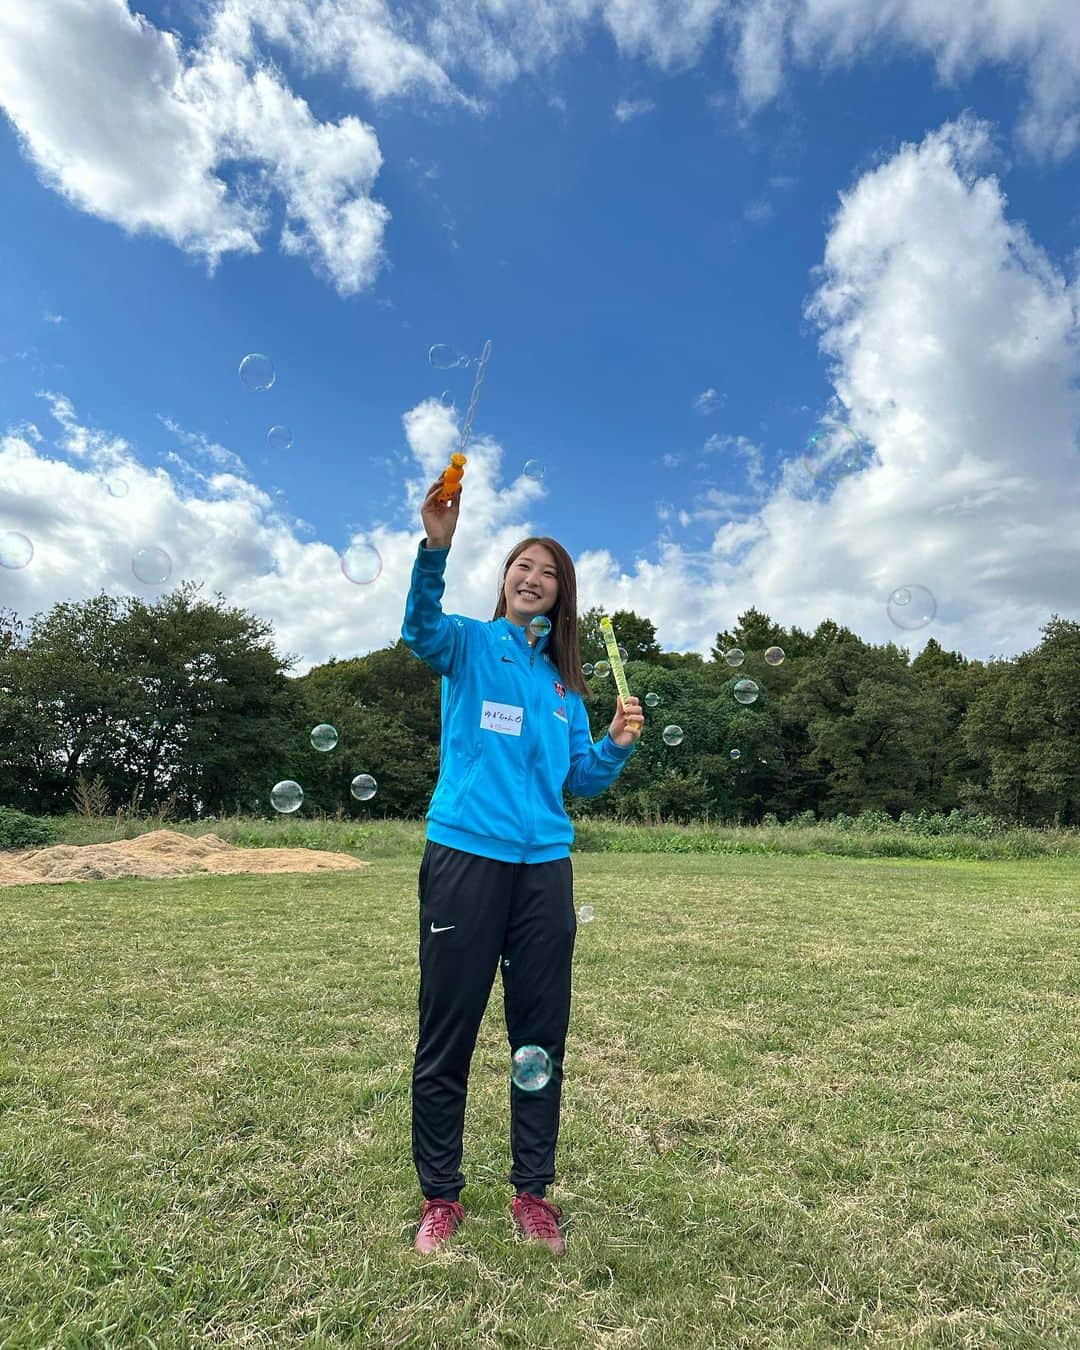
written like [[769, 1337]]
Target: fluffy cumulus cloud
[[955, 354], [433, 49], [195, 145], [189, 146], [88, 503]]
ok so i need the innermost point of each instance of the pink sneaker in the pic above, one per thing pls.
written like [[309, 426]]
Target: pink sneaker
[[538, 1219], [439, 1220]]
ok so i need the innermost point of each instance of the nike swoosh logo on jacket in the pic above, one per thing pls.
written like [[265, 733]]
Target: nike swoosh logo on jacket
[[506, 754]]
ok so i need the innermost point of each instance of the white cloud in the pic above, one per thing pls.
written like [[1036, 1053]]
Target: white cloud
[[53, 318], [626, 109], [955, 350], [758, 211], [708, 401], [117, 118]]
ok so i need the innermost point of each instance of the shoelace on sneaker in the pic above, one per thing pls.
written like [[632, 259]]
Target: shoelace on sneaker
[[538, 1216], [438, 1215]]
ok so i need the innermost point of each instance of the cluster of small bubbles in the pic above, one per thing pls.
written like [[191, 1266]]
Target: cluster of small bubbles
[[735, 656], [534, 469], [673, 735], [586, 914], [279, 438], [774, 656], [541, 625], [152, 566], [363, 787], [587, 669], [602, 669], [324, 737], [16, 550], [257, 372], [361, 564], [746, 691], [116, 486], [623, 656], [736, 754], [911, 607], [651, 700], [443, 357], [530, 1067], [286, 796]]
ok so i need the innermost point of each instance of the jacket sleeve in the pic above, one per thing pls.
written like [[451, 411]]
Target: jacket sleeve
[[594, 766], [435, 637]]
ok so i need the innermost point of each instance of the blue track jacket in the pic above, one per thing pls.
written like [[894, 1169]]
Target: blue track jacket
[[512, 736]]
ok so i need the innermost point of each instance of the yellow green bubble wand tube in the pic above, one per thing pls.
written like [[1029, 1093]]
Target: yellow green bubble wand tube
[[608, 634]]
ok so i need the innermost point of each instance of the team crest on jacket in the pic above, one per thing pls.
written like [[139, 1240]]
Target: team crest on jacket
[[559, 689]]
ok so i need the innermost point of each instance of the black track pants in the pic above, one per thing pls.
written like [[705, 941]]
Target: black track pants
[[521, 914]]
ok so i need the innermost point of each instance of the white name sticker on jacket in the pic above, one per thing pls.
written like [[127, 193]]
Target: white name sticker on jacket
[[503, 717]]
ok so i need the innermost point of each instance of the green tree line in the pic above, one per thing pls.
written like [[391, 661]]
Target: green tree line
[[188, 700]]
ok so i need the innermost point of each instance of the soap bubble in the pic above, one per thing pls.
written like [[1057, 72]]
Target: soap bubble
[[735, 657], [651, 700], [673, 735], [736, 754], [530, 1067], [602, 669], [324, 737], [587, 669], [833, 452], [152, 566], [541, 625], [363, 787], [16, 550], [623, 657], [534, 469], [911, 607], [774, 656], [257, 372], [279, 438], [443, 357], [286, 796], [586, 914], [446, 398], [116, 486], [361, 564], [746, 691]]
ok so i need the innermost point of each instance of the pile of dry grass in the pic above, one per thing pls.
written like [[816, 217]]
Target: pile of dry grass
[[160, 853]]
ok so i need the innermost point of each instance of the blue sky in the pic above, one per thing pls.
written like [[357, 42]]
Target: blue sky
[[622, 267]]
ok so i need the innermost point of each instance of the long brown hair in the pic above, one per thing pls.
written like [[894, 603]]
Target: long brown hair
[[563, 646]]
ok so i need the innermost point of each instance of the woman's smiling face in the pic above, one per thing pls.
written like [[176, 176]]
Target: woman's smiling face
[[533, 570]]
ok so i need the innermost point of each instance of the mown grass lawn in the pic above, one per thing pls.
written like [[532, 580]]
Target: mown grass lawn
[[808, 1102]]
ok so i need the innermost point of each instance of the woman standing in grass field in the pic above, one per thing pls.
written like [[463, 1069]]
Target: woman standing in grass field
[[496, 881]]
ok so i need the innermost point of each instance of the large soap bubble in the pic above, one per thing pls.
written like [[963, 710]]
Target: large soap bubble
[[774, 656], [361, 563], [152, 566], [257, 372], [324, 737], [746, 691], [541, 625], [530, 1067], [16, 550], [911, 607], [735, 656], [279, 438], [363, 787], [673, 735], [651, 700], [286, 796]]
